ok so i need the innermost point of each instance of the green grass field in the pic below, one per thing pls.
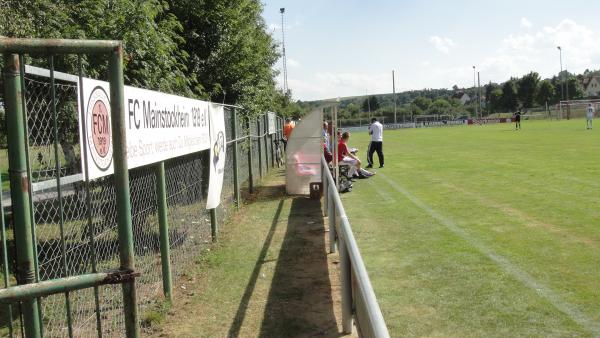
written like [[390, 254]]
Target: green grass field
[[484, 231]]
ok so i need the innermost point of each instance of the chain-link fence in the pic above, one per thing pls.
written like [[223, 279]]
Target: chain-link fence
[[75, 227]]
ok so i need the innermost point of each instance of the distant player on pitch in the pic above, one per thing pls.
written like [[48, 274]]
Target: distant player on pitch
[[590, 116], [518, 120]]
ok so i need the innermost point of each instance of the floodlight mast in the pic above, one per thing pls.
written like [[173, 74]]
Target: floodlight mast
[[475, 88], [562, 83], [562, 94], [394, 94], [285, 81]]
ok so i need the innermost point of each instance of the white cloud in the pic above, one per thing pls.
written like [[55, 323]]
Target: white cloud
[[442, 44], [519, 54], [526, 23], [516, 54], [330, 85], [537, 51]]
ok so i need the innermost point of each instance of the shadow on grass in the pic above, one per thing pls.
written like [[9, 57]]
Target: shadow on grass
[[300, 301], [234, 330]]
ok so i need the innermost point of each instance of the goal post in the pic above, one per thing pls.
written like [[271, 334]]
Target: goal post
[[577, 108]]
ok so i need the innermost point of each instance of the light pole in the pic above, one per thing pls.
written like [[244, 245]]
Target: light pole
[[475, 88], [562, 94], [479, 95], [285, 82], [565, 84], [394, 94]]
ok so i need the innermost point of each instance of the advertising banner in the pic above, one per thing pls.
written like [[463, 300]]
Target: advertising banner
[[218, 147], [159, 126], [271, 125]]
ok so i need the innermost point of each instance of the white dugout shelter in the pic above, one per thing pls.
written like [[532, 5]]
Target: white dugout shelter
[[303, 154]]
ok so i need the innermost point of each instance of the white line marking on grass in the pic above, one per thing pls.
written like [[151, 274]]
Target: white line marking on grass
[[565, 307], [383, 194]]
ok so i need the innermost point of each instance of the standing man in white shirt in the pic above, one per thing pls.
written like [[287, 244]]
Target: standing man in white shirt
[[590, 115], [376, 145]]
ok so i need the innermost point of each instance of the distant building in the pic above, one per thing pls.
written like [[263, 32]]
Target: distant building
[[462, 96], [591, 86]]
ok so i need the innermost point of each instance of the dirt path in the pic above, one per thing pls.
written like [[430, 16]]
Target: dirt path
[[270, 275]]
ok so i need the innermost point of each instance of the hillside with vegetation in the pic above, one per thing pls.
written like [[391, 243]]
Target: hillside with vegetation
[[528, 92]]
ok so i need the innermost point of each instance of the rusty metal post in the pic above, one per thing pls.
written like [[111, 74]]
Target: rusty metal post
[[123, 197], [236, 163], [163, 234], [259, 138], [19, 183], [250, 166]]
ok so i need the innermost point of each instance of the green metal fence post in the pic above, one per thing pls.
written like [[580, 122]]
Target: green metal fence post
[[214, 226], [63, 246], [123, 197], [4, 254], [271, 145], [163, 225], [250, 140], [266, 137], [259, 137], [236, 173], [19, 182]]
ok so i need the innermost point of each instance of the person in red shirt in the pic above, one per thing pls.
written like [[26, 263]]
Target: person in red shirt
[[287, 131], [346, 157]]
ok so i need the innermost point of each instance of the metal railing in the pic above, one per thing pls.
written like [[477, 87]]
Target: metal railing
[[358, 298], [76, 237]]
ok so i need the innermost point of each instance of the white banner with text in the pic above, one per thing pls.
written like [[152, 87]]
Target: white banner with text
[[159, 126]]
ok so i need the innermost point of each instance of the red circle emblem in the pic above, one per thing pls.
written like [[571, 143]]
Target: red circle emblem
[[101, 128]]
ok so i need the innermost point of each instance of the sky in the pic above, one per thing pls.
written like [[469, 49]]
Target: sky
[[339, 48]]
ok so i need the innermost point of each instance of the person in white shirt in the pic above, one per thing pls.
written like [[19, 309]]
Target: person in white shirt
[[376, 145], [590, 116]]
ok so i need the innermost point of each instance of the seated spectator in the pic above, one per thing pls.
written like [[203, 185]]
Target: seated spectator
[[346, 157], [327, 154]]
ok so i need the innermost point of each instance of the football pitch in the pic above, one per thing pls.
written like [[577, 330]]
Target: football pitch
[[484, 230]]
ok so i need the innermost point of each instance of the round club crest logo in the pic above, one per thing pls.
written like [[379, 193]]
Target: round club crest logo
[[218, 148], [98, 128]]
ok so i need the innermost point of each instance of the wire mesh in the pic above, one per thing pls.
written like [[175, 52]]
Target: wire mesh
[[189, 221], [88, 241]]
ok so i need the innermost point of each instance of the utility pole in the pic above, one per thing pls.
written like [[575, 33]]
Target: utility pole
[[285, 82], [474, 87], [394, 95], [368, 103], [562, 94], [479, 94], [562, 83]]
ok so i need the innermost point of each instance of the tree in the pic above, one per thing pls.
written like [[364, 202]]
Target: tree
[[575, 88], [422, 103], [489, 88], [526, 87], [509, 101], [440, 106], [545, 92], [495, 101], [371, 104], [231, 55], [353, 110]]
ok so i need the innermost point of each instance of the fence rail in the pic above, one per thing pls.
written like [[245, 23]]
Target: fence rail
[[76, 232], [358, 298]]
